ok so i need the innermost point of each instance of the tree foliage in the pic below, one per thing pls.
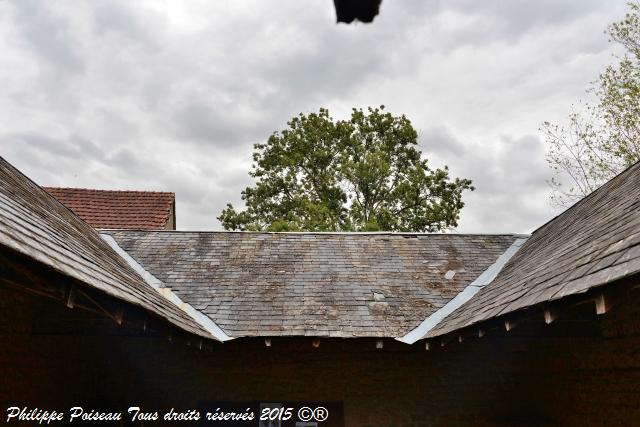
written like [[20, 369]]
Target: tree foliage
[[603, 138], [361, 174]]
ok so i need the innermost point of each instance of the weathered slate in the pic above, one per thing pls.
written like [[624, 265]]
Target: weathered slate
[[35, 224], [316, 284], [595, 242]]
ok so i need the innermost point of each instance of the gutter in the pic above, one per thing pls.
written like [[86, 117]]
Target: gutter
[[465, 295], [199, 317]]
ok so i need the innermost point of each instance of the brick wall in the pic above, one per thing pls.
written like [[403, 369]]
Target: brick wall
[[582, 370]]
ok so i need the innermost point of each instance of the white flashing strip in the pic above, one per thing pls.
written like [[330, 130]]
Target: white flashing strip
[[200, 318], [465, 295]]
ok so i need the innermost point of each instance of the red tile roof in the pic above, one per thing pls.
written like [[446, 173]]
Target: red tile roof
[[139, 210]]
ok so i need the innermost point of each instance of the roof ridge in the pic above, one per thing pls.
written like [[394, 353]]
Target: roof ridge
[[47, 188], [328, 233]]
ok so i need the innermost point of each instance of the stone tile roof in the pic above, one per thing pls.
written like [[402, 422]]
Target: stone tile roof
[[137, 210], [595, 242], [344, 285], [34, 224]]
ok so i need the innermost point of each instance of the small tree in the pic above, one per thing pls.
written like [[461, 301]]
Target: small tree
[[604, 138], [362, 174]]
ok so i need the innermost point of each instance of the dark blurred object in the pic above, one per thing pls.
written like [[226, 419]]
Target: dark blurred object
[[362, 10]]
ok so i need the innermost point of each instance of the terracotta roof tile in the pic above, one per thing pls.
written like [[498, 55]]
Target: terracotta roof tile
[[111, 209]]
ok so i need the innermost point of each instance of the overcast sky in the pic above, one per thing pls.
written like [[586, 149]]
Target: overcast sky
[[172, 95]]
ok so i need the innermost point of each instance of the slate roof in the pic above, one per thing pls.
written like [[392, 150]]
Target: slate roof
[[333, 284], [139, 210], [34, 224], [595, 242], [344, 285]]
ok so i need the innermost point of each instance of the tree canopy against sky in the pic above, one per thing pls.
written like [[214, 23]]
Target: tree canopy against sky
[[603, 139], [361, 174]]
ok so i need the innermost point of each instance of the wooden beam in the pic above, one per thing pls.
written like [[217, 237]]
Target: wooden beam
[[603, 303], [70, 296], [509, 325], [119, 314], [550, 315], [267, 342], [379, 344]]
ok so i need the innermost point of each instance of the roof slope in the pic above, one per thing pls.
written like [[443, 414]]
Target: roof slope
[[33, 223], [350, 285], [139, 210], [595, 242]]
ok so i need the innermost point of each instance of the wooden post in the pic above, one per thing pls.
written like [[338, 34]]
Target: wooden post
[[427, 346]]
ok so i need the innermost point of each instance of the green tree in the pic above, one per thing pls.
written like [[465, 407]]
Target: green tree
[[603, 138], [362, 174]]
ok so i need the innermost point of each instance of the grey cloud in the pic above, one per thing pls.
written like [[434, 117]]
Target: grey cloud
[[172, 96], [509, 177], [485, 22], [125, 159], [73, 147], [131, 24], [440, 141], [49, 34], [223, 124]]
